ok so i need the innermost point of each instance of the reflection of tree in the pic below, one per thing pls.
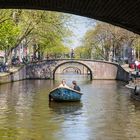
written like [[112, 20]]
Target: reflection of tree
[[24, 112], [16, 109]]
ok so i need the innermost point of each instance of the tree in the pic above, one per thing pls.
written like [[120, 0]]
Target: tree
[[105, 38], [46, 30]]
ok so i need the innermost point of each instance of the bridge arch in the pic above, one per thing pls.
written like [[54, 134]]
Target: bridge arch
[[122, 13], [63, 63], [75, 68]]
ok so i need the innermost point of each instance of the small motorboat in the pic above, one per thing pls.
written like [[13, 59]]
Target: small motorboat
[[135, 93], [130, 86], [64, 94]]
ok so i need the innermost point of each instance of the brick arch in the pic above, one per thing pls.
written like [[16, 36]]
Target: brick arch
[[63, 63]]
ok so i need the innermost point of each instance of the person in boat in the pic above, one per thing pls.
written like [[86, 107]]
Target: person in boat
[[63, 84], [75, 86]]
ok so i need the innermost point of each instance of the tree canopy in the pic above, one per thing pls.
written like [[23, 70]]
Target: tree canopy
[[46, 30], [103, 39]]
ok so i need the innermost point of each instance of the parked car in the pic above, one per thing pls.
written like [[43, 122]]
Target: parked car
[[134, 66], [138, 66]]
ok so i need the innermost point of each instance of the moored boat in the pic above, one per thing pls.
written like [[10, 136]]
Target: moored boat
[[130, 86], [64, 94], [135, 93]]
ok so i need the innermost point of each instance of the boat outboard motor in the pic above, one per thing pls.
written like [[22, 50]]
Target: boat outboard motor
[[137, 90]]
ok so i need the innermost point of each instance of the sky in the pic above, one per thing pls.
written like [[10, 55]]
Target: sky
[[80, 26]]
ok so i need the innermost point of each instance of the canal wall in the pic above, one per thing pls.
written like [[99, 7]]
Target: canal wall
[[18, 75], [99, 70], [122, 74]]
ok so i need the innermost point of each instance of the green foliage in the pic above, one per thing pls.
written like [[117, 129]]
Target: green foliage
[[47, 30], [82, 52], [103, 38], [8, 34]]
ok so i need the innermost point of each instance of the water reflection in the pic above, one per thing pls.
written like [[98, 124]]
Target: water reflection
[[66, 107], [106, 112]]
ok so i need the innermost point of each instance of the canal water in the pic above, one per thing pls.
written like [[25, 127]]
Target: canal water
[[106, 111]]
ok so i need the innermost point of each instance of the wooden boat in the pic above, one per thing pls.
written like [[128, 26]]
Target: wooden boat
[[64, 94]]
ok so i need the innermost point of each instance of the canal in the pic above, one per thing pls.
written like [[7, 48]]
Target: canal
[[106, 111]]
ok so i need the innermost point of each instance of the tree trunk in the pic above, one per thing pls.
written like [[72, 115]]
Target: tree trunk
[[9, 57]]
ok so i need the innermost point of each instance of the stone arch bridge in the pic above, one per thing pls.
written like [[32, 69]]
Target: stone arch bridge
[[74, 69], [46, 70], [96, 69]]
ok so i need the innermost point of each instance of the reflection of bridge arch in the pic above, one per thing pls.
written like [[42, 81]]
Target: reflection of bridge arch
[[63, 63], [74, 68]]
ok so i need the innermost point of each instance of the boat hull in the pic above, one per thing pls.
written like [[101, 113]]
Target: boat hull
[[65, 94], [135, 95]]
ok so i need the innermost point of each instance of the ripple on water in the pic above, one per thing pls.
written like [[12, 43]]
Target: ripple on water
[[105, 112]]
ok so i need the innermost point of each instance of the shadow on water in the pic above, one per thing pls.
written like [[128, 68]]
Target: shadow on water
[[65, 107]]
